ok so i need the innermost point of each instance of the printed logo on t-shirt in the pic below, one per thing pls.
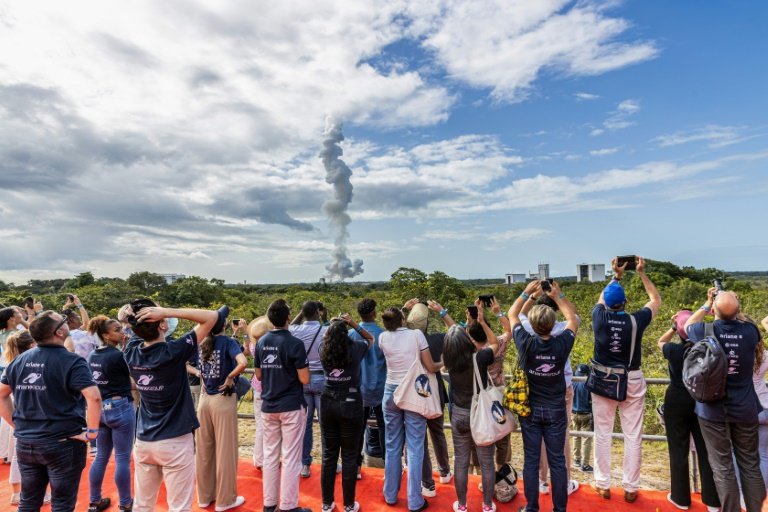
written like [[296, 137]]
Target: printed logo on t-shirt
[[422, 386], [544, 368], [212, 368], [96, 375], [32, 381], [32, 378], [271, 359], [144, 380], [498, 413], [336, 373]]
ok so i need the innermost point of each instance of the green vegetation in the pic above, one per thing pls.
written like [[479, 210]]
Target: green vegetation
[[679, 287]]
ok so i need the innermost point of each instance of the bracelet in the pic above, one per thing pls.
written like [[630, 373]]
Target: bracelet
[[88, 436], [705, 308], [525, 296], [500, 315], [443, 312], [561, 296], [80, 306], [92, 430], [359, 330]]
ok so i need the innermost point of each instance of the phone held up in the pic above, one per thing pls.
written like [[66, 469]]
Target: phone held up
[[718, 284], [487, 299], [546, 285], [472, 312], [629, 260]]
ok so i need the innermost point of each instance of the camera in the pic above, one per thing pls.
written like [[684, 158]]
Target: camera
[[630, 260], [472, 312], [718, 284], [487, 299], [546, 285], [70, 296]]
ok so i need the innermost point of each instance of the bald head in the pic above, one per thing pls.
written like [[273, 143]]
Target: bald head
[[726, 305]]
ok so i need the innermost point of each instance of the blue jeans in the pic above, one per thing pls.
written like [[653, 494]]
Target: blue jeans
[[117, 428], [312, 393], [403, 426], [59, 462], [547, 424]]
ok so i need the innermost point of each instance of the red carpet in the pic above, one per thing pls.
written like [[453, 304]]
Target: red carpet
[[371, 500]]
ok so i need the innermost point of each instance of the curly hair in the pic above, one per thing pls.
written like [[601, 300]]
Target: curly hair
[[334, 352], [100, 325]]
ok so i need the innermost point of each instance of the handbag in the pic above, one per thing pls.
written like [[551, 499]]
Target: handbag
[[489, 421], [242, 386], [611, 381], [418, 392], [516, 392]]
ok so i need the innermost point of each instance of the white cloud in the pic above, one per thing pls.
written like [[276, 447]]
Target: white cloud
[[715, 136], [515, 235], [619, 118], [585, 96], [604, 151]]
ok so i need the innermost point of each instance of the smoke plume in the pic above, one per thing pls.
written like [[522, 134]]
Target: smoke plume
[[338, 174]]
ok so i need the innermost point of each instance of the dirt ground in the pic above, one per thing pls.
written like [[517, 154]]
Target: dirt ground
[[654, 474]]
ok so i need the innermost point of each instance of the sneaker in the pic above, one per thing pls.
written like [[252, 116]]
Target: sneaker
[[238, 501], [327, 507], [577, 462], [459, 508], [604, 493], [359, 472], [492, 508], [446, 479], [204, 504], [427, 492], [338, 468], [272, 508], [681, 507], [15, 498], [424, 506], [573, 486], [587, 468], [713, 509], [102, 504], [47, 498], [630, 496], [352, 508], [304, 471], [126, 508], [543, 487]]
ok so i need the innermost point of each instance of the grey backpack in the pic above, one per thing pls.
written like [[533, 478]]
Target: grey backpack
[[705, 368]]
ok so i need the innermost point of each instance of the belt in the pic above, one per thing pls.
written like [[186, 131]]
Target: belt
[[316, 372]]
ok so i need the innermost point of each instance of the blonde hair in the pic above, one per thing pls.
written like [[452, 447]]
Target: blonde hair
[[542, 319], [16, 344]]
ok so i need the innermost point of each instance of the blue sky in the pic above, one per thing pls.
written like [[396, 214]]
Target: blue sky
[[482, 137]]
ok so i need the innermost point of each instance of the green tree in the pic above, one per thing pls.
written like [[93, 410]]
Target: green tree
[[409, 282], [82, 279], [146, 283]]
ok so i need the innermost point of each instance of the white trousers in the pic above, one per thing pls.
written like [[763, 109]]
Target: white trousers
[[283, 440], [258, 433], [172, 460], [631, 416]]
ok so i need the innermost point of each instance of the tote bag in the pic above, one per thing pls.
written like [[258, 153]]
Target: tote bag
[[419, 392], [489, 420]]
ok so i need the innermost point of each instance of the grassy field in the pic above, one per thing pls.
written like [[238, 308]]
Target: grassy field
[[654, 475]]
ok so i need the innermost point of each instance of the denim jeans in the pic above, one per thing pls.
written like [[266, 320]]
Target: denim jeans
[[312, 393], [59, 462], [549, 425], [409, 428], [381, 430], [462, 449], [117, 428], [340, 428]]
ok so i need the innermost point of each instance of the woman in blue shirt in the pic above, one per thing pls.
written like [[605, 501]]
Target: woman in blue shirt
[[118, 419]]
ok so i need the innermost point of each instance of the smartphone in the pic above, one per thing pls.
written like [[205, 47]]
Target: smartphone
[[629, 260], [486, 300], [235, 321], [718, 284], [546, 286], [70, 296], [472, 312]]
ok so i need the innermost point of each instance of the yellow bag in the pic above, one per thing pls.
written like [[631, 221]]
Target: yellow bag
[[516, 390]]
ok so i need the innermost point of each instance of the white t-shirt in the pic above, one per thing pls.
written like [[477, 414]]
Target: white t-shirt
[[758, 378], [401, 348]]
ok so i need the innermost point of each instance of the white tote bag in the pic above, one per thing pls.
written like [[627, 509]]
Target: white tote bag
[[419, 392], [489, 419]]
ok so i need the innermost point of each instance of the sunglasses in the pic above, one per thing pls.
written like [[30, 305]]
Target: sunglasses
[[58, 326]]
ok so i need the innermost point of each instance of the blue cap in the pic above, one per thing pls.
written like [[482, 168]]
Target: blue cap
[[221, 321], [613, 294]]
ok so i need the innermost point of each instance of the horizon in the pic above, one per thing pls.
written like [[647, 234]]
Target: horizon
[[468, 136]]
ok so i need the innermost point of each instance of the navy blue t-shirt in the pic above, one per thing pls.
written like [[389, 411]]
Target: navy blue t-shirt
[[739, 340], [544, 365], [341, 379], [110, 372], [279, 354], [47, 384], [613, 336], [222, 362], [166, 410]]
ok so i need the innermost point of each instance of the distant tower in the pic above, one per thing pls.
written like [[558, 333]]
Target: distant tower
[[543, 271]]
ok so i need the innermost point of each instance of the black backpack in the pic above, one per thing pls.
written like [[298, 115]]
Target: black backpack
[[705, 368]]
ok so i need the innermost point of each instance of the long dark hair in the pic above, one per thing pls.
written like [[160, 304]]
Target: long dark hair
[[5, 315], [206, 348], [458, 350], [334, 352]]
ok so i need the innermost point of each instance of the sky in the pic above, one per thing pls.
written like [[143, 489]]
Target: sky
[[482, 137]]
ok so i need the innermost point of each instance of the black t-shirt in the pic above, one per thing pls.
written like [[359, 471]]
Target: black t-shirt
[[110, 372], [47, 384], [739, 340], [462, 383], [221, 363], [279, 354], [341, 379], [194, 360], [544, 365], [166, 410], [613, 336], [674, 353], [435, 342]]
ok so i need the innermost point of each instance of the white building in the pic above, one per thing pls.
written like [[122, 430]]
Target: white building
[[592, 272], [172, 278], [543, 271], [514, 278]]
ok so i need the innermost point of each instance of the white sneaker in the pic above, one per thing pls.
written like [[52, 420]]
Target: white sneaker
[[238, 501], [304, 471], [713, 509], [353, 508], [359, 472], [338, 468], [427, 492], [447, 478], [459, 508], [573, 486], [328, 508], [543, 487], [204, 504], [681, 507]]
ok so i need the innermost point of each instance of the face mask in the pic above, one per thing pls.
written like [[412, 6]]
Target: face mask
[[172, 324]]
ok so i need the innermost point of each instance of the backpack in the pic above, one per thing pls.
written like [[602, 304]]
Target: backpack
[[705, 368]]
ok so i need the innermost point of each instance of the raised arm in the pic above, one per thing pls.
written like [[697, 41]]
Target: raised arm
[[618, 273], [442, 312], [503, 320], [81, 309], [204, 318], [490, 336], [699, 314], [517, 306], [668, 334], [764, 323], [568, 309], [654, 298], [360, 330]]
